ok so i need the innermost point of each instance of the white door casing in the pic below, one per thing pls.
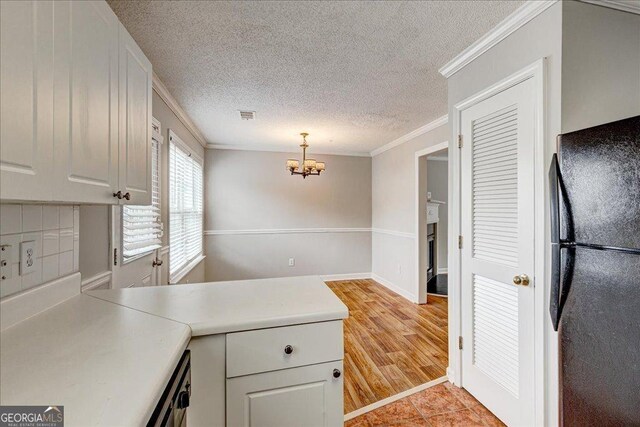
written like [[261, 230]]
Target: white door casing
[[497, 225]]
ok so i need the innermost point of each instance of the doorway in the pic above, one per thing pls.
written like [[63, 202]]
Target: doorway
[[432, 219]]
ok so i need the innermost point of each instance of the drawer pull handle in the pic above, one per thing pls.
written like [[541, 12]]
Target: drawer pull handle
[[336, 373], [288, 349]]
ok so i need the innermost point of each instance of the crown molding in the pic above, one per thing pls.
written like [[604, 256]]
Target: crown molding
[[166, 96], [408, 137], [280, 149], [625, 6], [511, 23]]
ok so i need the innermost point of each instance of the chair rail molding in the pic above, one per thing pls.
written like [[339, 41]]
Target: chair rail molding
[[166, 96], [511, 23], [394, 233], [409, 136], [286, 231]]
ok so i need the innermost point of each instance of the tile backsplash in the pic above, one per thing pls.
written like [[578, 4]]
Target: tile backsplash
[[56, 232]]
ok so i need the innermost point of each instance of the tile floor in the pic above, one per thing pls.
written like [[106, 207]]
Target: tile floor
[[437, 406]]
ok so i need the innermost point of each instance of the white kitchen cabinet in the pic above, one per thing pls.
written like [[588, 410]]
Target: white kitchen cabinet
[[305, 396], [135, 121], [86, 102], [98, 83], [26, 99]]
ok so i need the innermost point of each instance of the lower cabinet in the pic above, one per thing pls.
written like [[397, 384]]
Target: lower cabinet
[[305, 396], [272, 377]]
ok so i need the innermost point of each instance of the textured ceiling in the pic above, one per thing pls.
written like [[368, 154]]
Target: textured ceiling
[[355, 75]]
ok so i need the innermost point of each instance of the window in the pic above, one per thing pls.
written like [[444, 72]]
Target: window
[[142, 225], [185, 208]]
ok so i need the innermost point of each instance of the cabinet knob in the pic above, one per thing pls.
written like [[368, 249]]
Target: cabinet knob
[[336, 373], [127, 196], [118, 195], [288, 349], [156, 262]]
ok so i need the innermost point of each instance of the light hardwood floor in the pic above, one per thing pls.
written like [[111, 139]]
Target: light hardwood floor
[[391, 344]]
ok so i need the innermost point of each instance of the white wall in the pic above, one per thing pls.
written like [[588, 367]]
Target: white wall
[[394, 210], [438, 185], [251, 190], [540, 38], [600, 65]]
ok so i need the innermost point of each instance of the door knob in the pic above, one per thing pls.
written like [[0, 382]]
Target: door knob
[[336, 373], [288, 349], [521, 280], [127, 196], [156, 262], [118, 194]]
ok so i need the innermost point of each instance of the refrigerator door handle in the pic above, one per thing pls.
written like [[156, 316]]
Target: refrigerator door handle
[[554, 294], [555, 199]]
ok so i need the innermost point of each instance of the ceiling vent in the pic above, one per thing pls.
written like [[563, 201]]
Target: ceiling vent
[[247, 115]]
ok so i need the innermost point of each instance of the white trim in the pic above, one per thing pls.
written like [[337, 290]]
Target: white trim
[[409, 136], [180, 274], [393, 398], [443, 271], [511, 23], [625, 6], [421, 284], [175, 139], [96, 281], [537, 72], [164, 250], [286, 231], [348, 276], [387, 284], [21, 306], [438, 159], [173, 105], [281, 149], [394, 233]]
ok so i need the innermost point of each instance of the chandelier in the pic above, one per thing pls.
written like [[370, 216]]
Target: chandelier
[[309, 166]]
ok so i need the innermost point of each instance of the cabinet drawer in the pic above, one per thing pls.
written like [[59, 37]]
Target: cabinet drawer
[[266, 350]]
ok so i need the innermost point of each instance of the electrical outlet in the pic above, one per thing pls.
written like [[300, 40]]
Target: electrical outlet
[[5, 262], [27, 257], [292, 262]]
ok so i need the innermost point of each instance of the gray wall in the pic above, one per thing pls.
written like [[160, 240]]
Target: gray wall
[[95, 256], [540, 38], [394, 210], [600, 65], [438, 185], [251, 190]]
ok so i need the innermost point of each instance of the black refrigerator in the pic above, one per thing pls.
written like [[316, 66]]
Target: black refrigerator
[[595, 274]]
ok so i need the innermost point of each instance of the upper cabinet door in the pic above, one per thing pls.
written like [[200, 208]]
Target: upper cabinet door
[[26, 99], [86, 102], [135, 122]]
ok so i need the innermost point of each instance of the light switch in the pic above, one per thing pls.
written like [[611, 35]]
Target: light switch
[[27, 257], [292, 262]]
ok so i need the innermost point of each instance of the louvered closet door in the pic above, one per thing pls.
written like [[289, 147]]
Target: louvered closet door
[[498, 238]]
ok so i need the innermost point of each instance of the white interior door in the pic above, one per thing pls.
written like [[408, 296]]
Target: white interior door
[[498, 250]]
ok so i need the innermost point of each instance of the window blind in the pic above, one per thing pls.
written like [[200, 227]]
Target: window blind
[[142, 225], [185, 206]]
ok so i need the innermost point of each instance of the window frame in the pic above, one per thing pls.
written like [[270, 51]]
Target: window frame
[[156, 136], [190, 263]]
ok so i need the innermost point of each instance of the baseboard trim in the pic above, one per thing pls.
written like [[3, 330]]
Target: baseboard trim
[[348, 276], [389, 285], [393, 398], [451, 376], [96, 281]]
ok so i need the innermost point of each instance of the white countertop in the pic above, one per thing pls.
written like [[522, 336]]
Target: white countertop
[[108, 365], [221, 307]]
